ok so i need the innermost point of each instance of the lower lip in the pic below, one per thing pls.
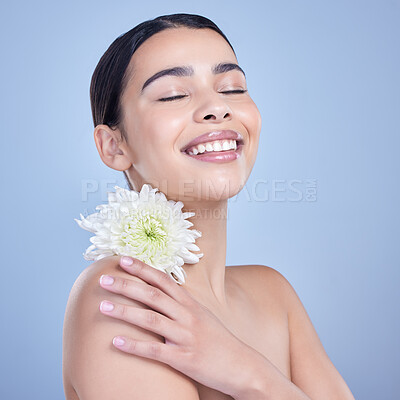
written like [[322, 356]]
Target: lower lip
[[218, 156]]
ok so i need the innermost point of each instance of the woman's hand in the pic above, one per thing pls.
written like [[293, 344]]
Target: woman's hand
[[196, 342]]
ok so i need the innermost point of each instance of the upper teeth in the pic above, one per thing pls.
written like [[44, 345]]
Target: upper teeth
[[216, 145]]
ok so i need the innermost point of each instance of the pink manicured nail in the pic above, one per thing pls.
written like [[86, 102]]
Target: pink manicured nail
[[119, 341], [106, 280], [127, 261], [106, 306]]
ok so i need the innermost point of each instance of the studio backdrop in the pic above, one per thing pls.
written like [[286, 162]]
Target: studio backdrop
[[320, 206]]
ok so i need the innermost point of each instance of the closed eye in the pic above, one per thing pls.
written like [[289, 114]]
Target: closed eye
[[235, 91], [238, 91], [173, 97]]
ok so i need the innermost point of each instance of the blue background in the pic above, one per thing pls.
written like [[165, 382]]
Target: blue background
[[325, 76]]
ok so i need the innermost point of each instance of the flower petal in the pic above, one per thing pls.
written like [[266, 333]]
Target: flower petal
[[145, 225]]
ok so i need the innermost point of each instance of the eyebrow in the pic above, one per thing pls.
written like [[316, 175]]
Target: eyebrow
[[188, 71]]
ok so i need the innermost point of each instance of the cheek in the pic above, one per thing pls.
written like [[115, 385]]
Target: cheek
[[163, 127], [157, 135], [251, 118]]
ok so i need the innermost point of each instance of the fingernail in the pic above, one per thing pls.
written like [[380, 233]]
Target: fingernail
[[106, 306], [106, 280], [127, 261], [119, 341]]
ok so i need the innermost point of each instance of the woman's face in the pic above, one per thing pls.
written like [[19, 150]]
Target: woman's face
[[158, 130]]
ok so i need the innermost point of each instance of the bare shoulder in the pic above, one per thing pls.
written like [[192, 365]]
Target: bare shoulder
[[310, 367], [255, 272], [92, 367], [263, 283]]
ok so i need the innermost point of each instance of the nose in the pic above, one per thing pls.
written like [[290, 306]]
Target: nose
[[213, 109]]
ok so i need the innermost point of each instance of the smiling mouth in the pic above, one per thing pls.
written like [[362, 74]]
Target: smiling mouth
[[214, 146], [216, 151]]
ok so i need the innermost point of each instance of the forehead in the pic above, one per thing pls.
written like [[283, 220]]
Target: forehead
[[180, 46]]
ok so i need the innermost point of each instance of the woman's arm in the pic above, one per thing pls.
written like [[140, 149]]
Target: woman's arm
[[95, 368], [196, 342], [311, 369]]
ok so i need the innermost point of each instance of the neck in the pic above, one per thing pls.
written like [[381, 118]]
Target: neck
[[206, 279]]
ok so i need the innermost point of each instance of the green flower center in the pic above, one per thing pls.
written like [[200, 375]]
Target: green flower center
[[153, 229], [146, 232]]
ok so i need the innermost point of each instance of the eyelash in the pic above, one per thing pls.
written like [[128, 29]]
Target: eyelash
[[239, 91]]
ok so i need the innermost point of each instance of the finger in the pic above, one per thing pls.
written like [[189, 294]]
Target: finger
[[156, 278], [153, 350], [146, 319], [146, 294]]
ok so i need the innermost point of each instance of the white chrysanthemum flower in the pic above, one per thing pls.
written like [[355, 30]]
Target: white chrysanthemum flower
[[145, 226]]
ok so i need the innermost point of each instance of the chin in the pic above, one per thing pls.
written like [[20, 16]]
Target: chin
[[217, 187]]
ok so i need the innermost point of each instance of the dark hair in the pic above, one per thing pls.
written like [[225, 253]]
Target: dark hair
[[111, 74]]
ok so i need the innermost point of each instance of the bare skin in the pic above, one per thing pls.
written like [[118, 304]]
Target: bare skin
[[254, 303], [270, 318], [257, 318]]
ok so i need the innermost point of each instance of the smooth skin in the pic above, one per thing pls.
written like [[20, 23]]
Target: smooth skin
[[193, 334], [241, 331]]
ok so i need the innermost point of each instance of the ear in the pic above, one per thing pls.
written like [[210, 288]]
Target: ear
[[109, 145]]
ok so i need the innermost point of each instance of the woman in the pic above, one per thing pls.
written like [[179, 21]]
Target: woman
[[229, 332]]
